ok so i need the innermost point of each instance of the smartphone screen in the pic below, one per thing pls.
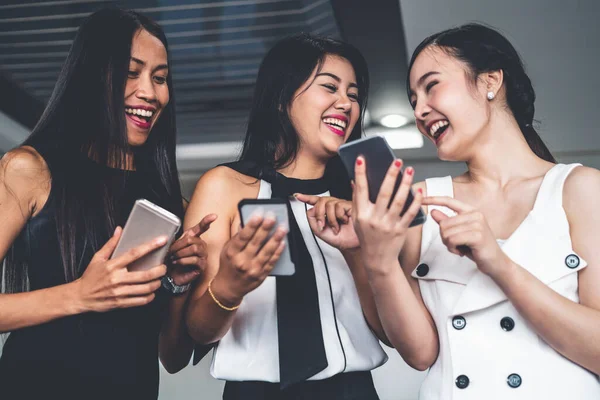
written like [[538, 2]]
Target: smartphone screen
[[378, 156], [279, 208]]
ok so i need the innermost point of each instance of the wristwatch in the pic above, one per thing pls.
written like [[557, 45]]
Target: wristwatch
[[169, 284]]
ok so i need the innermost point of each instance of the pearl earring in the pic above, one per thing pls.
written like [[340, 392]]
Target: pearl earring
[[491, 95]]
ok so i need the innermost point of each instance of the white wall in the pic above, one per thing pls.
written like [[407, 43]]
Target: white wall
[[557, 40]]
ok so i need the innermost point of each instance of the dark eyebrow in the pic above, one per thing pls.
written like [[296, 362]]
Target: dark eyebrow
[[142, 63], [423, 78], [337, 78]]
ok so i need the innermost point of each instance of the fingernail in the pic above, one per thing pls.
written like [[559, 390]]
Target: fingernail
[[359, 161], [269, 215], [410, 170], [321, 225], [398, 163], [258, 213], [420, 190], [295, 195], [161, 240]]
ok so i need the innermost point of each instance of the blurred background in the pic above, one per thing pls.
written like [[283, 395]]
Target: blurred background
[[216, 47]]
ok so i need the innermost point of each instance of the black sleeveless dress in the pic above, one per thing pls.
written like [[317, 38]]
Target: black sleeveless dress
[[110, 355]]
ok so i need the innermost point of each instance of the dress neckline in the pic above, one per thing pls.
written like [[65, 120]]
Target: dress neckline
[[501, 241]]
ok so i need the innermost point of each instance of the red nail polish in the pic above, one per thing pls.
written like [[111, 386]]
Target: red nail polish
[[358, 161], [410, 171], [398, 163], [420, 190]]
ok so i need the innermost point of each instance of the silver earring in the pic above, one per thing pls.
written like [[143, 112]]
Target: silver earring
[[491, 95]]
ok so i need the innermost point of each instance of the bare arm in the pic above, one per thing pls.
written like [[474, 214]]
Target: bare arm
[[365, 294], [175, 347], [24, 188], [206, 321], [188, 262], [237, 263], [570, 328], [384, 237], [403, 314]]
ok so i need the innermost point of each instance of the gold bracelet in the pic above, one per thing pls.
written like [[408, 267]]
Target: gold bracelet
[[224, 307]]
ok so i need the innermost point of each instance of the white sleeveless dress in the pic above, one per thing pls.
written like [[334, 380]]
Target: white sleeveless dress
[[487, 350], [249, 351]]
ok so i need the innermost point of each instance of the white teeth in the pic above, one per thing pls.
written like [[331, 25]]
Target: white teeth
[[334, 121], [435, 127], [140, 112]]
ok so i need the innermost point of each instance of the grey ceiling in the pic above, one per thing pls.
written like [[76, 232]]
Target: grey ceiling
[[216, 48]]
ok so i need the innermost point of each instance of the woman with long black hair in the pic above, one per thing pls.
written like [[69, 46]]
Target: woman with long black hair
[[82, 325], [304, 336], [497, 293]]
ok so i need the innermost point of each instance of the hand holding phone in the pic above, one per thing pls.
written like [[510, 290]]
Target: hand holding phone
[[378, 157], [381, 230], [103, 285], [279, 209], [146, 222], [248, 257]]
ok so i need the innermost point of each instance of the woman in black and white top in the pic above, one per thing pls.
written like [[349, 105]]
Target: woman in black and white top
[[304, 336]]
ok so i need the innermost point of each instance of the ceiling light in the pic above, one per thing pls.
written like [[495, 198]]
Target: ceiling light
[[393, 121], [407, 137]]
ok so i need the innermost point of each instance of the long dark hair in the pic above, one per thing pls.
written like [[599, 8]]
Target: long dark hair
[[271, 138], [484, 49], [85, 117]]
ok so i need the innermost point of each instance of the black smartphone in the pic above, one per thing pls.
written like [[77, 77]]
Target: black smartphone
[[279, 207], [378, 156]]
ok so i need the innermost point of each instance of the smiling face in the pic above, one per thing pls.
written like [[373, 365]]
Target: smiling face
[[146, 90], [325, 109], [450, 109]]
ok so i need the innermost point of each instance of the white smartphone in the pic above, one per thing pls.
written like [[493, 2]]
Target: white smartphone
[[247, 207], [146, 222]]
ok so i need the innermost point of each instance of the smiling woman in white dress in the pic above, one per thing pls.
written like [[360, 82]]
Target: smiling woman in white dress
[[497, 293]]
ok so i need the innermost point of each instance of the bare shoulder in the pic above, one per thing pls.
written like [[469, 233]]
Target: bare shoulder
[[24, 161], [582, 180], [25, 175], [581, 190], [218, 191], [224, 180]]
